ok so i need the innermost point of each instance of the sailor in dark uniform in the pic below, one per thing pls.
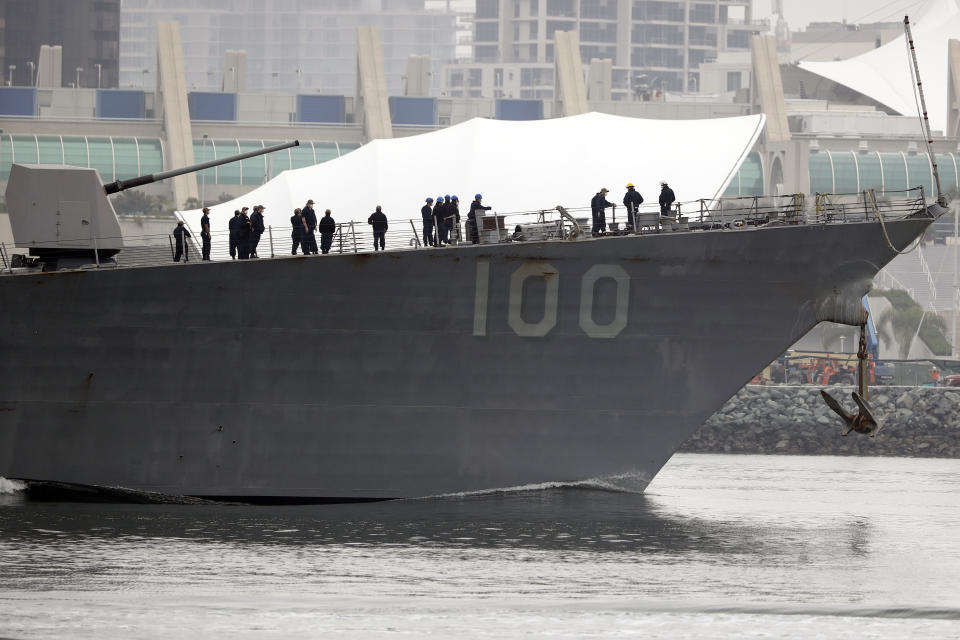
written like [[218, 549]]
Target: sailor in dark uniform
[[453, 219], [309, 237], [298, 230], [632, 201], [475, 206], [180, 234], [378, 220], [667, 198], [443, 221], [256, 229], [439, 211], [426, 212], [234, 233], [327, 226], [243, 240], [205, 232], [597, 207]]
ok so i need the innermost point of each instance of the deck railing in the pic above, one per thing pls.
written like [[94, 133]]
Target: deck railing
[[723, 214]]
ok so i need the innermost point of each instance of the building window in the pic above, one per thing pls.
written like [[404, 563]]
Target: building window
[[657, 34], [739, 39], [703, 13], [561, 8], [658, 10], [598, 32], [605, 9], [733, 80], [486, 32], [488, 8]]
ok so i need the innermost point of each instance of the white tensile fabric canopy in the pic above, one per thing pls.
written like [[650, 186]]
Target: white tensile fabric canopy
[[517, 166], [883, 74]]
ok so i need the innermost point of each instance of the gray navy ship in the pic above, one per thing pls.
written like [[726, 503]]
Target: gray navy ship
[[406, 372]]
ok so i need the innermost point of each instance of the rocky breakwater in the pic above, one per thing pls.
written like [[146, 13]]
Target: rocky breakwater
[[915, 421]]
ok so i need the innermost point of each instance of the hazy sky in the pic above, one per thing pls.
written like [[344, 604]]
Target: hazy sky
[[799, 13]]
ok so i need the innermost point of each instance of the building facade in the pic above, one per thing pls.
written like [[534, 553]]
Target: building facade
[[307, 46], [88, 31], [654, 45]]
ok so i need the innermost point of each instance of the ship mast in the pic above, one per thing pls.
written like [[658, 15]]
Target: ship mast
[[922, 109]]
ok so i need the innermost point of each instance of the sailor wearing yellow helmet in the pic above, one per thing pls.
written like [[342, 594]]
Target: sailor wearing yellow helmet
[[632, 201]]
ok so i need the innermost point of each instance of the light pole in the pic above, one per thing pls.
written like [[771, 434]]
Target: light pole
[[10, 70], [99, 72], [203, 174], [79, 70], [33, 67]]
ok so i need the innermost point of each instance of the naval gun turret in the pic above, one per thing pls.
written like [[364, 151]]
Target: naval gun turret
[[63, 216]]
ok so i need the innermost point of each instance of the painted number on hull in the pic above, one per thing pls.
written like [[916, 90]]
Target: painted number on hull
[[551, 279]]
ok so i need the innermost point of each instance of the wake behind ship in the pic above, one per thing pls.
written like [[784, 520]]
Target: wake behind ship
[[416, 372]]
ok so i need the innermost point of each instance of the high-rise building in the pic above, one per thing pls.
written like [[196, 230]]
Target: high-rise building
[[88, 31], [657, 44], [307, 46]]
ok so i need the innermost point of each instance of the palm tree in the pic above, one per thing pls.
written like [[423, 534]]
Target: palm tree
[[899, 324], [904, 324]]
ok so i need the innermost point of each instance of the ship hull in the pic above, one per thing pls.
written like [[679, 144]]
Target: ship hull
[[409, 373]]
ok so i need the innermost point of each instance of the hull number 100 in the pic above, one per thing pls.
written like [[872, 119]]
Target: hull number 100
[[551, 277]]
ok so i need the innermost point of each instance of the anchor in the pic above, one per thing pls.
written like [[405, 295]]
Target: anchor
[[864, 420]]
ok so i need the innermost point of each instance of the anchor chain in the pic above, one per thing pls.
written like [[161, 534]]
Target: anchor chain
[[864, 420]]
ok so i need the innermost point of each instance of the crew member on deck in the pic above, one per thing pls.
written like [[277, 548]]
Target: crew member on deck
[[310, 219], [180, 234], [205, 232], [327, 226], [667, 198], [256, 229], [632, 201], [475, 206], [378, 220], [453, 219], [243, 241], [234, 233], [426, 212], [439, 211], [298, 230], [597, 207]]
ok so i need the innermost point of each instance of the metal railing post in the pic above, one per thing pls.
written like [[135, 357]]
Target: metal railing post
[[340, 236], [172, 253], [270, 232], [353, 232], [3, 254]]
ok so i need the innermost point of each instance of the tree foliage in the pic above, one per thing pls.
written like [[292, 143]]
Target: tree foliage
[[902, 321], [135, 201]]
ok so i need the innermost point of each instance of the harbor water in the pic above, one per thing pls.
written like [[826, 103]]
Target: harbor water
[[719, 546]]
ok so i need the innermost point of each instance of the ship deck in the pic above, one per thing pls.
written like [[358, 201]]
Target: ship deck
[[559, 224]]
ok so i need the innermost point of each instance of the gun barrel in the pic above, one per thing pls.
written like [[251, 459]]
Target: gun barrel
[[121, 185]]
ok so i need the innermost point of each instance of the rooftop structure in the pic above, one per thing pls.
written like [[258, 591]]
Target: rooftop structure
[[87, 30], [302, 47], [652, 44]]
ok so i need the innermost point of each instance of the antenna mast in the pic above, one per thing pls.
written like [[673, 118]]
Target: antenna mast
[[922, 107]]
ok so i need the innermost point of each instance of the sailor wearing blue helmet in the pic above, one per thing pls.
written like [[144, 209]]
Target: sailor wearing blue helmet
[[454, 217], [472, 230], [427, 213], [438, 211], [443, 221]]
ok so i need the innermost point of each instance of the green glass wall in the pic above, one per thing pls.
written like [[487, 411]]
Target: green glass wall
[[121, 158], [749, 180], [253, 171], [850, 172]]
